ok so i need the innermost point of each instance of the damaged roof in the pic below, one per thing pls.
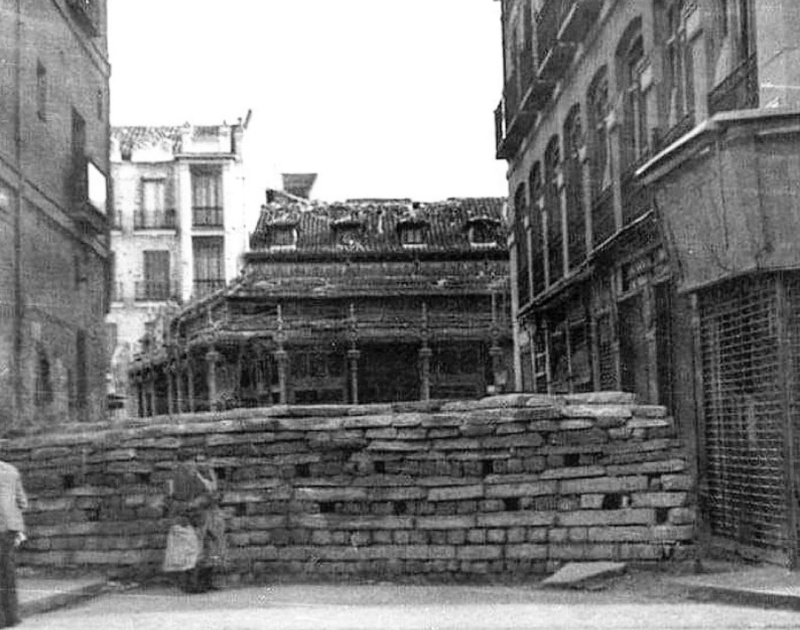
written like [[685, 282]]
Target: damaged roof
[[376, 226]]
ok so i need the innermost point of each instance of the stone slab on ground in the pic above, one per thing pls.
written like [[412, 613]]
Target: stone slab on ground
[[40, 595], [766, 587], [576, 574]]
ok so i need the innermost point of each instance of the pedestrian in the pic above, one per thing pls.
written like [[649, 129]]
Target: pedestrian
[[195, 505], [12, 532]]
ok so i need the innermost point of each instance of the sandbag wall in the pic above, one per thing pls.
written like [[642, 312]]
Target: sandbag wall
[[510, 484]]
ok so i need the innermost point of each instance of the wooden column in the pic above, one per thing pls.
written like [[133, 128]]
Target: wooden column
[[425, 354], [353, 355], [179, 394], [282, 359], [170, 372], [495, 351], [190, 384], [212, 356]]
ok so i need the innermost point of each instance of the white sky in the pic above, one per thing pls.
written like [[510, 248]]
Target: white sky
[[382, 98]]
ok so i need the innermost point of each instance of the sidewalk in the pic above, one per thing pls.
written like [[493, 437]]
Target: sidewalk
[[39, 595], [760, 586]]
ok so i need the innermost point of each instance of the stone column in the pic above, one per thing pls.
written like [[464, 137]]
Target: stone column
[[212, 356], [352, 357], [179, 396], [151, 393]]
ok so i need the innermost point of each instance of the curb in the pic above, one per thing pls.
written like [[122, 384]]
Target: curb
[[61, 600], [741, 597]]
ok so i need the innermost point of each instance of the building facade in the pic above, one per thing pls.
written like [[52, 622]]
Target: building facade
[[360, 302], [179, 226], [54, 251], [652, 173]]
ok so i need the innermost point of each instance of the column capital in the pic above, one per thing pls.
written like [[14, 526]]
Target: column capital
[[212, 356]]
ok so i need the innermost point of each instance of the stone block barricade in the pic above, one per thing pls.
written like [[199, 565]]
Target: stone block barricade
[[512, 484]]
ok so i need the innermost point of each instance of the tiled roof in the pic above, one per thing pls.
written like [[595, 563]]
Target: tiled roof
[[375, 226], [137, 137]]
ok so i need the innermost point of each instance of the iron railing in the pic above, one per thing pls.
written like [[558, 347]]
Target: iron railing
[[154, 220], [738, 91], [154, 290], [207, 216]]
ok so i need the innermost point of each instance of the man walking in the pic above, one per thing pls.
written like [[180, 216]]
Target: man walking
[[12, 502]]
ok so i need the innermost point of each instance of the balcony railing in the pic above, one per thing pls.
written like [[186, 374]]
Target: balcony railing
[[738, 91], [635, 198], [204, 287], [155, 291], [155, 220], [207, 216]]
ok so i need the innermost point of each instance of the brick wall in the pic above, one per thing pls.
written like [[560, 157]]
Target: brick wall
[[508, 484]]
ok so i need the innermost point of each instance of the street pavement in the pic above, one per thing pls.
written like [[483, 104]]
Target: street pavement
[[633, 601]]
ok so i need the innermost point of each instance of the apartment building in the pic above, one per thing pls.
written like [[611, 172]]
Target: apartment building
[[179, 226], [653, 172], [54, 168]]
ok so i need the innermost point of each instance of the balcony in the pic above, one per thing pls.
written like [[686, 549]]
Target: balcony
[[636, 198], [85, 13], [553, 54], [738, 91], [207, 216], [155, 220], [117, 292], [155, 291], [513, 120], [578, 18], [204, 287]]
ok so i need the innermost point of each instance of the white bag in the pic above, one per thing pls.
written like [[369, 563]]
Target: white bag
[[183, 549]]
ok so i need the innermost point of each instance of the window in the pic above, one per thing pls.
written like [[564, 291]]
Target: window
[[598, 110], [282, 236], [536, 229], [573, 180], [156, 276], [209, 265], [412, 234], [678, 66], [153, 212], [483, 232], [43, 392], [41, 91], [634, 124], [552, 205], [100, 102], [207, 196], [521, 237]]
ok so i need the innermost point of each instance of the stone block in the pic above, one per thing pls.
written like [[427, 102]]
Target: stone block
[[603, 485], [639, 533], [649, 411], [516, 519], [331, 494], [524, 489], [600, 398], [592, 501], [573, 472], [384, 433], [526, 551], [446, 522], [677, 482], [673, 533], [648, 468], [495, 536], [395, 446], [457, 493], [617, 414], [479, 552], [458, 444], [681, 516], [658, 499], [586, 518], [512, 441]]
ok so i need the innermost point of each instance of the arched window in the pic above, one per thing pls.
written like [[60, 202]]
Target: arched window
[[598, 107], [573, 183], [537, 229], [552, 205], [678, 83], [521, 238], [630, 65]]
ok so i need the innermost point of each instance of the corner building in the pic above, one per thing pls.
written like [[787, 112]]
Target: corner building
[[54, 142], [653, 173], [179, 228]]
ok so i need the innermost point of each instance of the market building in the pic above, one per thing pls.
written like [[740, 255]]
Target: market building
[[179, 227], [54, 174], [358, 302]]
